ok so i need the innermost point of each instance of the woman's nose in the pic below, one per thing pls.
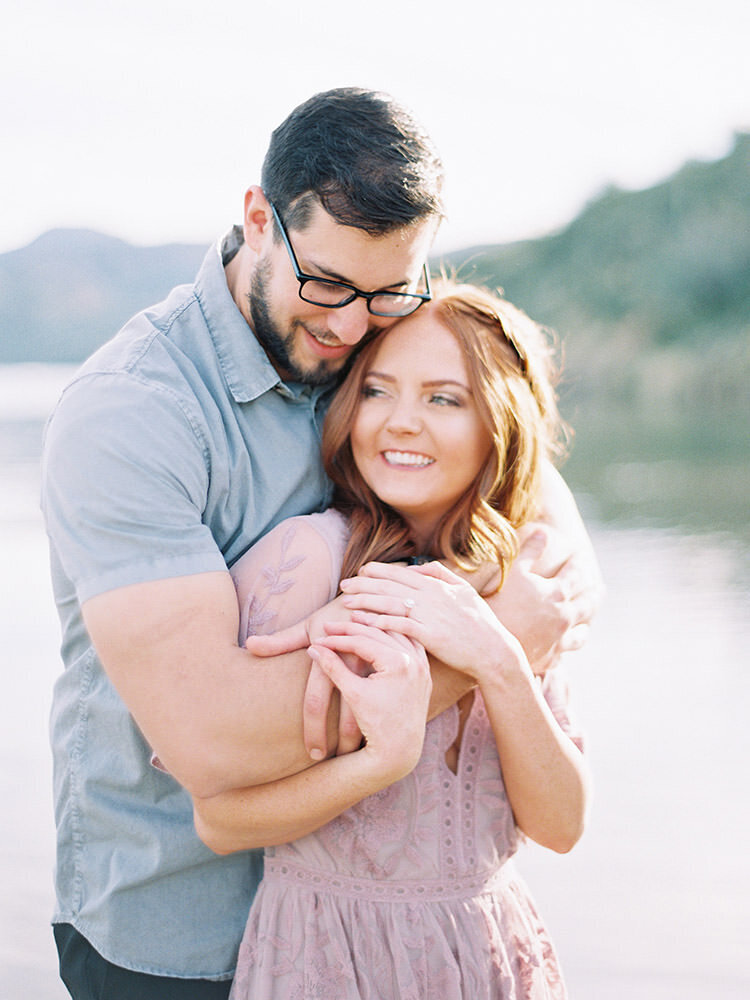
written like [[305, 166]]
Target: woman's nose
[[404, 417]]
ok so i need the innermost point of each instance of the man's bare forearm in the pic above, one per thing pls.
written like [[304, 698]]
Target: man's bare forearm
[[448, 687], [217, 716]]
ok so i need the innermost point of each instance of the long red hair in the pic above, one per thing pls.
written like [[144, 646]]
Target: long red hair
[[512, 376]]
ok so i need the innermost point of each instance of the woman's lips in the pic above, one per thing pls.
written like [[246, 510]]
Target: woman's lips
[[407, 459]]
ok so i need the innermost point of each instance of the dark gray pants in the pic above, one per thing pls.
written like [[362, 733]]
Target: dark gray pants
[[88, 976]]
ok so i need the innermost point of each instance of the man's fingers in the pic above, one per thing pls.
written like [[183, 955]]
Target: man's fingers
[[572, 579], [567, 585], [546, 551], [578, 604], [548, 662], [532, 546], [315, 712], [571, 639], [575, 638]]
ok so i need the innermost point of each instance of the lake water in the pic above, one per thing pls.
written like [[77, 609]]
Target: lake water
[[654, 903]]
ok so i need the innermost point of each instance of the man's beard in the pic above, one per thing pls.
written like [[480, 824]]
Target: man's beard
[[277, 346]]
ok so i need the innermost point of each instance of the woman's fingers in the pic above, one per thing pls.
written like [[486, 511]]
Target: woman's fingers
[[396, 605], [285, 641], [315, 705], [400, 624], [387, 571], [379, 587], [437, 571], [397, 591], [373, 645], [393, 658], [390, 704], [333, 667], [350, 735]]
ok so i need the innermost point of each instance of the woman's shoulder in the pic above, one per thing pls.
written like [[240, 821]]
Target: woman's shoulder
[[309, 534], [333, 527], [294, 547], [291, 571], [303, 531]]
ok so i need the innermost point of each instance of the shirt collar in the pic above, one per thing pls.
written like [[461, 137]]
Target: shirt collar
[[247, 370], [245, 364]]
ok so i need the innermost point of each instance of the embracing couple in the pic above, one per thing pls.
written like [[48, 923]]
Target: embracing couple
[[315, 572]]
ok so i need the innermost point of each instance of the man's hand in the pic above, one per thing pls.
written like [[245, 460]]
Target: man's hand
[[549, 596]]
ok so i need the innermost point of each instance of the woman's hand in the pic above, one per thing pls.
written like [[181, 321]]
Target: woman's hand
[[391, 706], [319, 691], [390, 703], [438, 609], [547, 600]]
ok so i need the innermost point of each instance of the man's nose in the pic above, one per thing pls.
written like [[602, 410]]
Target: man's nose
[[350, 323]]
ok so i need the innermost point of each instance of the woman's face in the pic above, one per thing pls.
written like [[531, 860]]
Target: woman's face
[[417, 438]]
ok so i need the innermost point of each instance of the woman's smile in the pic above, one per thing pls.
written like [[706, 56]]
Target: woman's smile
[[418, 439], [407, 459]]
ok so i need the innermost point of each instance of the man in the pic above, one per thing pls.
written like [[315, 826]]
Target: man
[[178, 445]]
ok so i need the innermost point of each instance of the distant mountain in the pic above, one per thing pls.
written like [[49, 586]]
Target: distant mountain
[[650, 290], [71, 289], [675, 257]]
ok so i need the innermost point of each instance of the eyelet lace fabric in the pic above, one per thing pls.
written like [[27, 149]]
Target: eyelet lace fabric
[[409, 895]]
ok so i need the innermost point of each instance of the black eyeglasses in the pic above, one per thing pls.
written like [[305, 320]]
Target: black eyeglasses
[[336, 294]]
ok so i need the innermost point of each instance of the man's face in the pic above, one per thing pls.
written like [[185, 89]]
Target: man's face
[[308, 343]]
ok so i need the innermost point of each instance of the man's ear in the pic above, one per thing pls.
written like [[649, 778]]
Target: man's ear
[[258, 219]]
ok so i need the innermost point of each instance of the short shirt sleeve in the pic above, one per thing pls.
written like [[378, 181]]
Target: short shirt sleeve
[[125, 481]]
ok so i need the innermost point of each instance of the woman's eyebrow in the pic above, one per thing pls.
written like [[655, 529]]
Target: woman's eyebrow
[[433, 383], [428, 384]]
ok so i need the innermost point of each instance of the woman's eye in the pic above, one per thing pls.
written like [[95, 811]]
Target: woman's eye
[[371, 391], [442, 400]]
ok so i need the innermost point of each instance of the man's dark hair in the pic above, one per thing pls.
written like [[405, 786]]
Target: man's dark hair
[[362, 155]]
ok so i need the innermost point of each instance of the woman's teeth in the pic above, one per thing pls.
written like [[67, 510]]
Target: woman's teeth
[[406, 458]]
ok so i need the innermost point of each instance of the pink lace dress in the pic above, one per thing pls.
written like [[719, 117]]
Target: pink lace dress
[[412, 893]]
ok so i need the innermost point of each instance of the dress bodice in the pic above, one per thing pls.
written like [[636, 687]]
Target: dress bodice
[[391, 835]]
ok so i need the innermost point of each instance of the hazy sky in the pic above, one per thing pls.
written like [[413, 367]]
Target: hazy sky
[[148, 119]]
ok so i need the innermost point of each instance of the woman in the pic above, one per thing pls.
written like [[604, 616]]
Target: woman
[[391, 874]]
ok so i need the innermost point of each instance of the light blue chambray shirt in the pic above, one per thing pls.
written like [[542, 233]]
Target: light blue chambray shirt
[[175, 447]]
